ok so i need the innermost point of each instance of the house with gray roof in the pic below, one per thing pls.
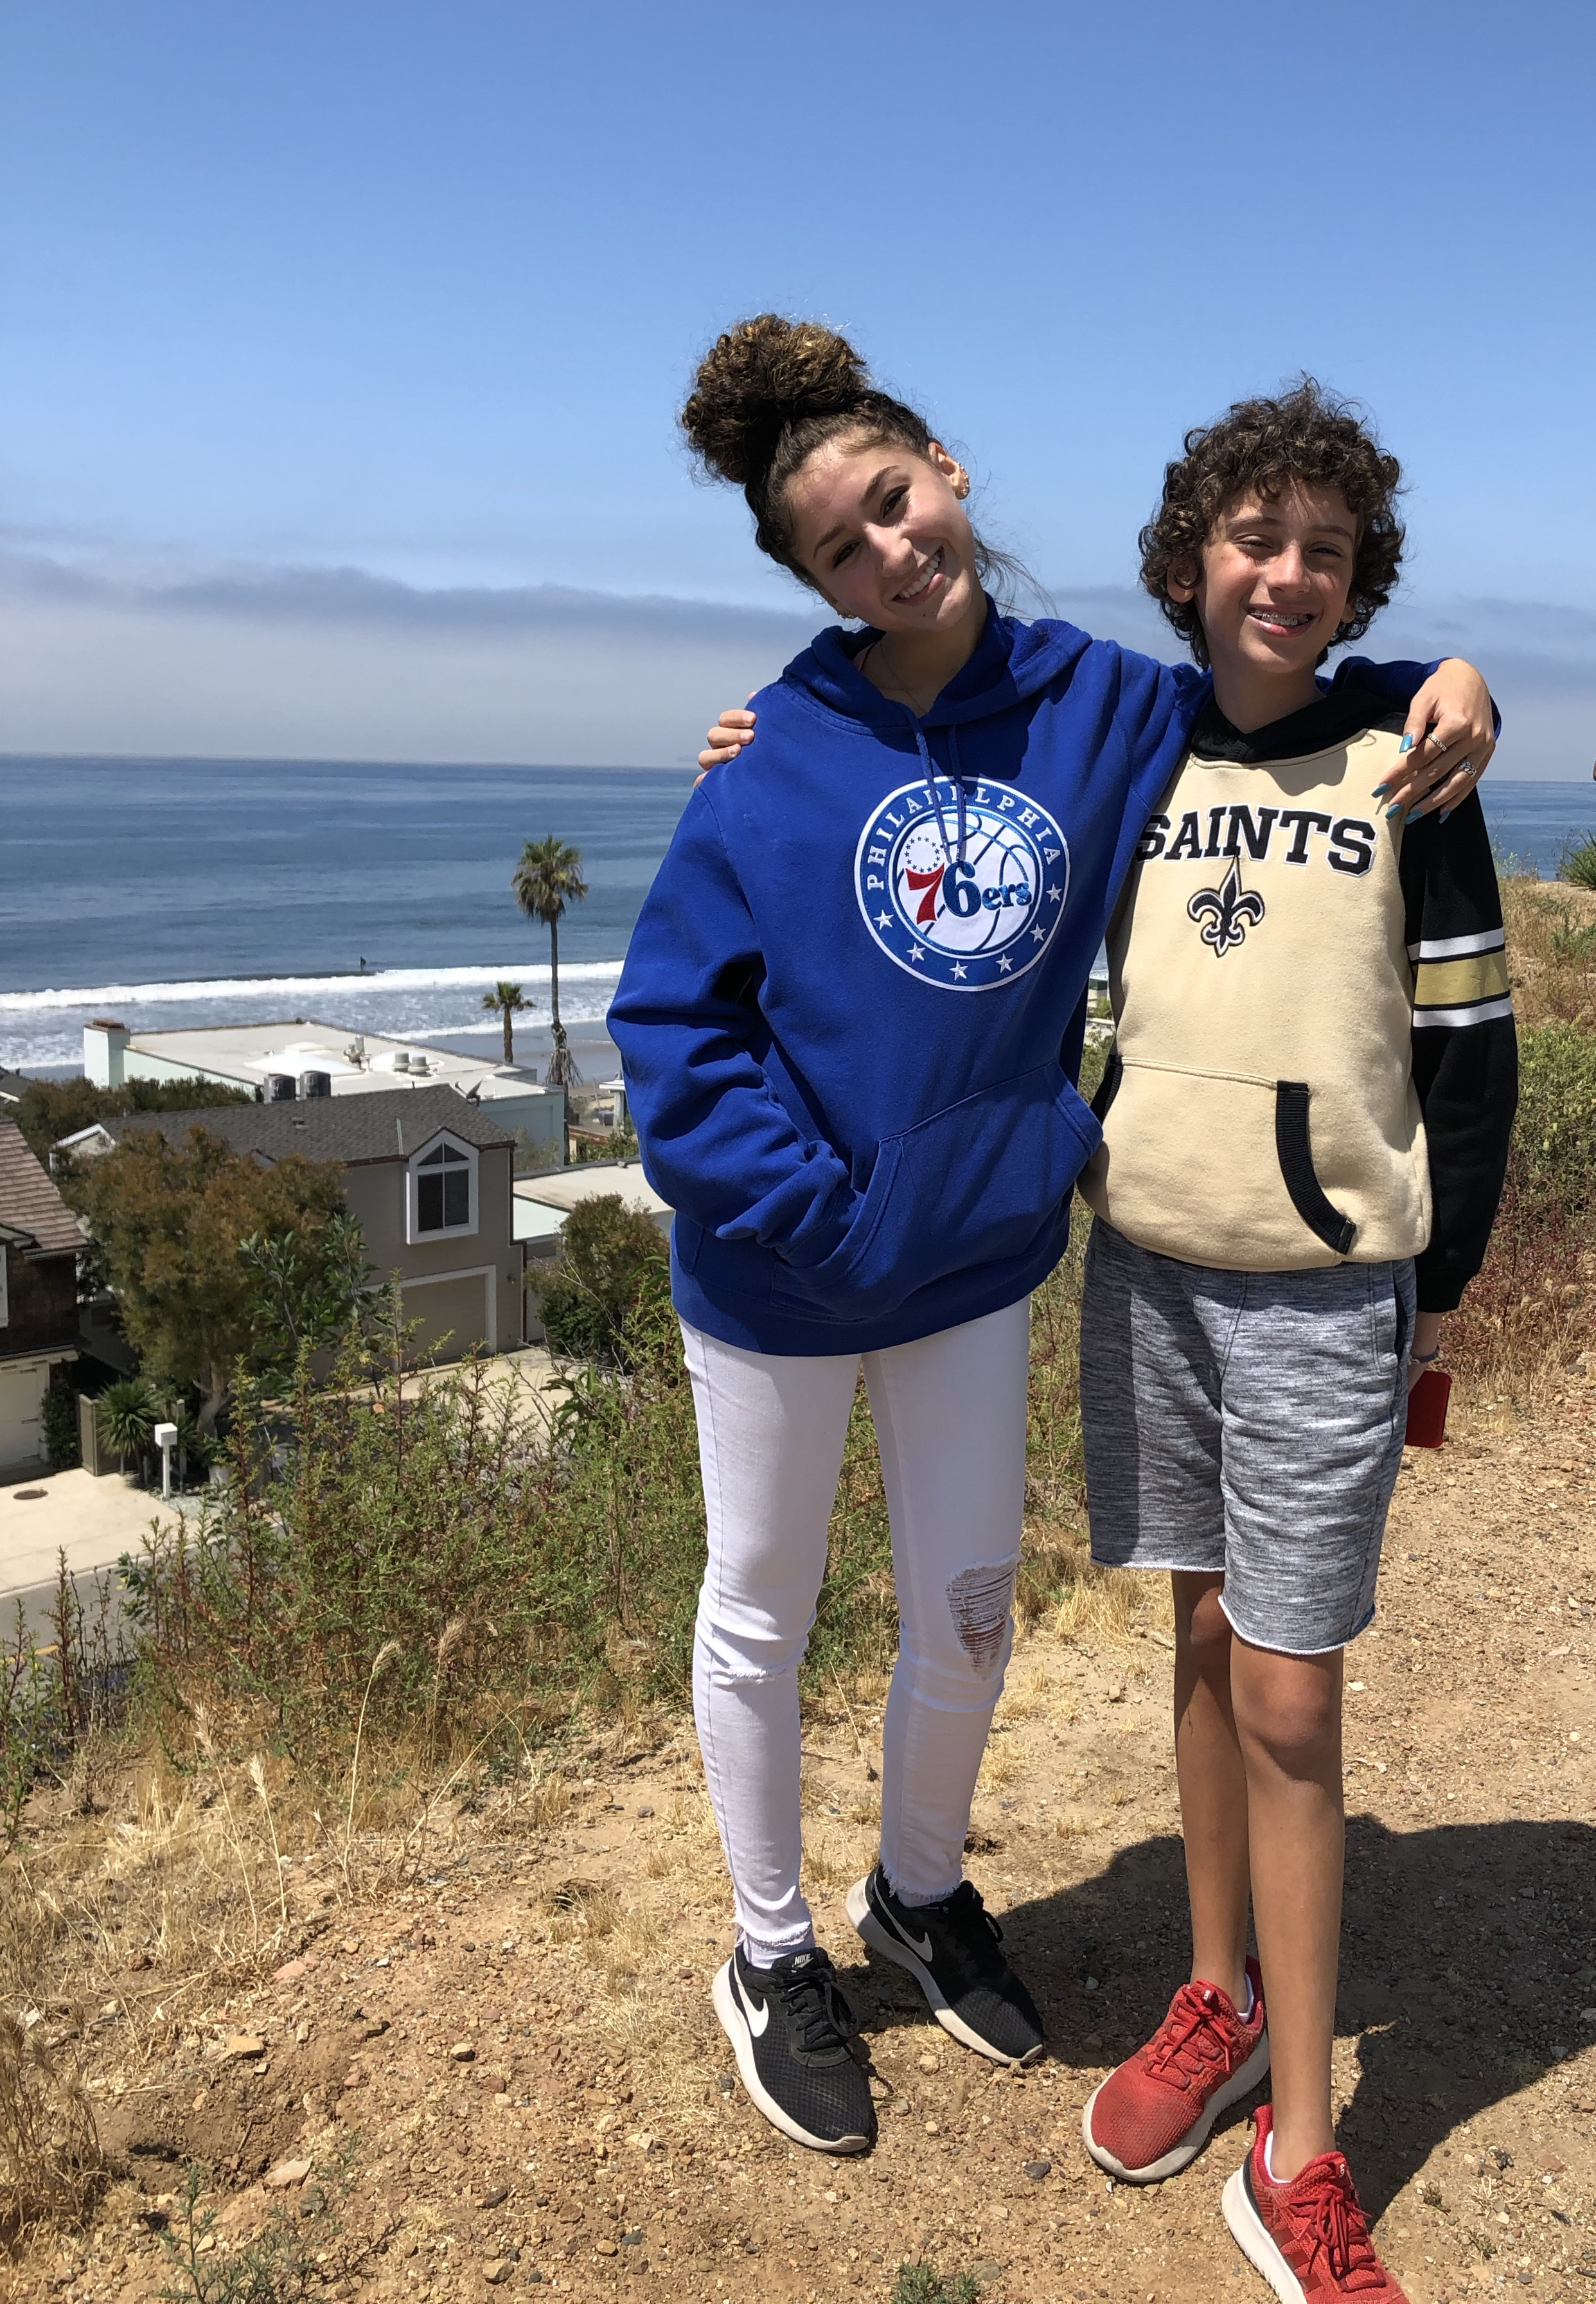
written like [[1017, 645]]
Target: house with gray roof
[[425, 1170]]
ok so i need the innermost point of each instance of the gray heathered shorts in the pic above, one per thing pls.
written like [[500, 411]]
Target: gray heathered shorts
[[1249, 1425]]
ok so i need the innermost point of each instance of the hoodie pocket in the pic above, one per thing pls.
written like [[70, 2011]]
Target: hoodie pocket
[[1216, 1168], [979, 1183]]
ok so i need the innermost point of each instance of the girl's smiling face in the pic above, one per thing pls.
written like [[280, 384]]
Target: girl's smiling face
[[1275, 577], [884, 536]]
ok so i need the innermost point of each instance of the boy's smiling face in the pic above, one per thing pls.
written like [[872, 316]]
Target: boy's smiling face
[[1272, 592]]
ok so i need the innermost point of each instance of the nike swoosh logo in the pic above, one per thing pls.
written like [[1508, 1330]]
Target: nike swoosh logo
[[919, 1945], [758, 2016]]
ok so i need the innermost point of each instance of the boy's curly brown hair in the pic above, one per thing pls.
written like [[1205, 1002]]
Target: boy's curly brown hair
[[1262, 447]]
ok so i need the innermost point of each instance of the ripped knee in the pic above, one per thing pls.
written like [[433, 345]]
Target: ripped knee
[[980, 1599]]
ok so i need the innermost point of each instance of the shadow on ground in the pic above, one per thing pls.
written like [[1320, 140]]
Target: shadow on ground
[[1465, 1960]]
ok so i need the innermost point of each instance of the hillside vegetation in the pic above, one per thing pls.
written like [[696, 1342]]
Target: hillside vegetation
[[412, 1599]]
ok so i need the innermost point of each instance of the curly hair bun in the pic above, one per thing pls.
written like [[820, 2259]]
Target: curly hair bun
[[758, 380]]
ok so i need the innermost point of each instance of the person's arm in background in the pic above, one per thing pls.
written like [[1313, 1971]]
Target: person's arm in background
[[1451, 722], [1465, 1050], [715, 1142]]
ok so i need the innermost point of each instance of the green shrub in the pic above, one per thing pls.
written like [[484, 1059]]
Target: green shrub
[[587, 1300], [58, 1419], [127, 1413], [922, 2283], [507, 1559], [299, 2253], [1577, 859]]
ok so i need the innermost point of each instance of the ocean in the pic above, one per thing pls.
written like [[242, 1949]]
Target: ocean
[[172, 893]]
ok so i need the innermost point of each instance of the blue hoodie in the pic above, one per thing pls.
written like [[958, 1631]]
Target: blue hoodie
[[853, 1009]]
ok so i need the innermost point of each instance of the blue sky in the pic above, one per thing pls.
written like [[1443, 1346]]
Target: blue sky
[[299, 297]]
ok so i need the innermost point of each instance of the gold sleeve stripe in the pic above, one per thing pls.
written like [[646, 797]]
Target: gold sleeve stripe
[[1449, 983]]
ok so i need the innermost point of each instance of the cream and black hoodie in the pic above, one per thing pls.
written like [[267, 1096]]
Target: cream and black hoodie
[[1315, 1059]]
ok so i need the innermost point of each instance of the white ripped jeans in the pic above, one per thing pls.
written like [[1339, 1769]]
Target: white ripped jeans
[[949, 1412]]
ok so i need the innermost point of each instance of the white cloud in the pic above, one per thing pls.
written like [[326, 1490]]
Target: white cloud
[[295, 663], [308, 662]]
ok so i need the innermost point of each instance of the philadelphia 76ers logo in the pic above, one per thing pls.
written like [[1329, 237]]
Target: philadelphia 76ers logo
[[966, 904]]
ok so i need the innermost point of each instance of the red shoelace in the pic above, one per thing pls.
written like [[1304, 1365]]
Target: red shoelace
[[1328, 2218], [1189, 2038]]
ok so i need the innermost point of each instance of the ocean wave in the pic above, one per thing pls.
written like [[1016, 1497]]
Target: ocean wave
[[108, 996]]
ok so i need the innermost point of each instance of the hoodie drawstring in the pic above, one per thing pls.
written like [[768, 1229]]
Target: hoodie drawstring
[[958, 781]]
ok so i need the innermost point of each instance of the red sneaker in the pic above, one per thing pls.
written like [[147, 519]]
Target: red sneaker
[[1153, 2116], [1310, 2238]]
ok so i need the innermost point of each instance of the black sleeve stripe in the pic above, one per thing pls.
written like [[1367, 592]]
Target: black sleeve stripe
[[1465, 1047]]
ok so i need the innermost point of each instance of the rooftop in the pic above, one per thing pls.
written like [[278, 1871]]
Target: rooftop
[[30, 1204], [355, 1063], [388, 1125], [563, 1187], [543, 1203]]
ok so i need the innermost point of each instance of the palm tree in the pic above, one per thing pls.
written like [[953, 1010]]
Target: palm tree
[[547, 879], [508, 1001]]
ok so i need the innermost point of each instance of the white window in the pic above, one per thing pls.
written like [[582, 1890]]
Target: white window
[[441, 1192]]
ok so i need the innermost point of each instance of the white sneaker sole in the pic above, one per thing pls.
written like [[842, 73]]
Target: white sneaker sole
[[880, 1940], [1246, 2077], [734, 2025], [1250, 2235]]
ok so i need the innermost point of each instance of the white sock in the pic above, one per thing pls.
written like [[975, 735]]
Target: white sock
[[1246, 2013], [1268, 2158], [766, 1955]]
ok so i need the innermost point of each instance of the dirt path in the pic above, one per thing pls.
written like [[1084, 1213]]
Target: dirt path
[[525, 2045]]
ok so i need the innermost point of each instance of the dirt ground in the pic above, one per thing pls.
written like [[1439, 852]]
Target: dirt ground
[[520, 2054]]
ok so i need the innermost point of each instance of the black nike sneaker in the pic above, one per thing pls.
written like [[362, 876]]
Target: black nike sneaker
[[950, 1949], [793, 2034]]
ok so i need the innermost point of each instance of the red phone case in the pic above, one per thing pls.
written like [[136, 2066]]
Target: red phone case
[[1427, 1409]]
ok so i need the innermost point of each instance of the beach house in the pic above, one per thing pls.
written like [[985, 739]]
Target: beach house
[[426, 1170], [300, 1061]]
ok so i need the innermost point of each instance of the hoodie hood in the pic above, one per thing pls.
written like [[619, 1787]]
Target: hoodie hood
[[1012, 662]]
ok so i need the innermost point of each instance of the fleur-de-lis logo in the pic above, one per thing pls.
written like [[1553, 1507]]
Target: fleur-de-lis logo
[[1226, 913]]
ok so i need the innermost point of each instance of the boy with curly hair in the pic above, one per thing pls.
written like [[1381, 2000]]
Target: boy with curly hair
[[1305, 1130]]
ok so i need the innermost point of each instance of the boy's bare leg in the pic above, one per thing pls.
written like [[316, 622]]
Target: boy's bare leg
[[1213, 1785], [1288, 1717]]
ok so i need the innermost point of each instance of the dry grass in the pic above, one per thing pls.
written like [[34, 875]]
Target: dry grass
[[1551, 951], [50, 2165], [1530, 1318], [151, 1883], [1001, 1769]]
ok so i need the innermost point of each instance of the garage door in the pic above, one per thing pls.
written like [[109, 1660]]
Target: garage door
[[452, 1315]]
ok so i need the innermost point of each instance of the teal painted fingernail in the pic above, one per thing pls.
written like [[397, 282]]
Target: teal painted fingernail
[[1407, 744], [1394, 809], [1446, 812], [1379, 791]]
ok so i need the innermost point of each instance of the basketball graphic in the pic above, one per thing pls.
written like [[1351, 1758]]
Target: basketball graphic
[[966, 897]]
